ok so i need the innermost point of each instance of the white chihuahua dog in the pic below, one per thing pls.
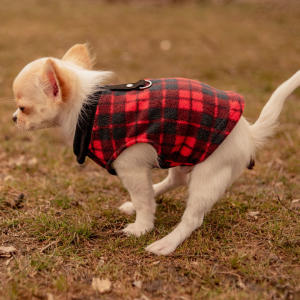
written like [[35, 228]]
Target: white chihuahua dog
[[51, 92]]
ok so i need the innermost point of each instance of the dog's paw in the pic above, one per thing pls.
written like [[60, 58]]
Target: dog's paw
[[136, 229], [127, 208], [162, 247]]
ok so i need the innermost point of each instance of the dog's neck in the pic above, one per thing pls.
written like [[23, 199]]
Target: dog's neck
[[88, 83]]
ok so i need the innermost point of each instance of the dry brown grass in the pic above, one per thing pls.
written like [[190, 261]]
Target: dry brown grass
[[66, 229]]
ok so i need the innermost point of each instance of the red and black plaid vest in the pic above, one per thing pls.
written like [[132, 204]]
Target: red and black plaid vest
[[184, 120]]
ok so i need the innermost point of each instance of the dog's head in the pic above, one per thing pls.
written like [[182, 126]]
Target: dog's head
[[44, 87]]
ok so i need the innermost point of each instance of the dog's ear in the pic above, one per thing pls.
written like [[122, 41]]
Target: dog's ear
[[55, 86], [80, 55]]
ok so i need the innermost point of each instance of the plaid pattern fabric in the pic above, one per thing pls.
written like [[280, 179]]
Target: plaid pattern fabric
[[184, 120]]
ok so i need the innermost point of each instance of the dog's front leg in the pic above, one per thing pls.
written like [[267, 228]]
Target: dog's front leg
[[133, 168]]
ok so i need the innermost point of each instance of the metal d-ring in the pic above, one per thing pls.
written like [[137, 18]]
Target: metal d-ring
[[147, 86]]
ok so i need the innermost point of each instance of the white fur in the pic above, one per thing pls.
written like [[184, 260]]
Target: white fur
[[67, 115], [207, 180]]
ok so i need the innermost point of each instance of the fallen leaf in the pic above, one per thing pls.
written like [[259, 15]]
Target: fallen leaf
[[156, 263], [9, 177], [137, 284], [7, 251], [32, 162], [17, 161], [50, 296], [8, 261], [117, 285], [101, 285], [253, 213], [273, 257], [241, 284], [101, 261], [15, 203], [295, 204]]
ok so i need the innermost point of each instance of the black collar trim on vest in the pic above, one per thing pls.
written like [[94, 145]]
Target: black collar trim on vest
[[86, 118], [84, 127]]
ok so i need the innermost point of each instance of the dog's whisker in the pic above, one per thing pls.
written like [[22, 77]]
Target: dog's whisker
[[5, 98], [4, 101]]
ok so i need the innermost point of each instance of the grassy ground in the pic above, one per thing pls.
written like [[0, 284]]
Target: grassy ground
[[66, 230]]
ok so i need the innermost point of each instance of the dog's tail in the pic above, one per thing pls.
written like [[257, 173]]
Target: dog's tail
[[265, 125]]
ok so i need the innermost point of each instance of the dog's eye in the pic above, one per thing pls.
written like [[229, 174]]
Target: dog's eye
[[22, 108]]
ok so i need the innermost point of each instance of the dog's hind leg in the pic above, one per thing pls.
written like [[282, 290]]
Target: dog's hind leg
[[174, 179], [206, 187], [133, 166]]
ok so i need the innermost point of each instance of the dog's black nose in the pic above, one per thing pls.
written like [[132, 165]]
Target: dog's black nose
[[14, 119]]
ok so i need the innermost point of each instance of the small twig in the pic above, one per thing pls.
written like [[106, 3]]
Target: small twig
[[286, 206], [229, 273], [48, 246], [15, 203], [121, 226], [3, 214], [9, 260]]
